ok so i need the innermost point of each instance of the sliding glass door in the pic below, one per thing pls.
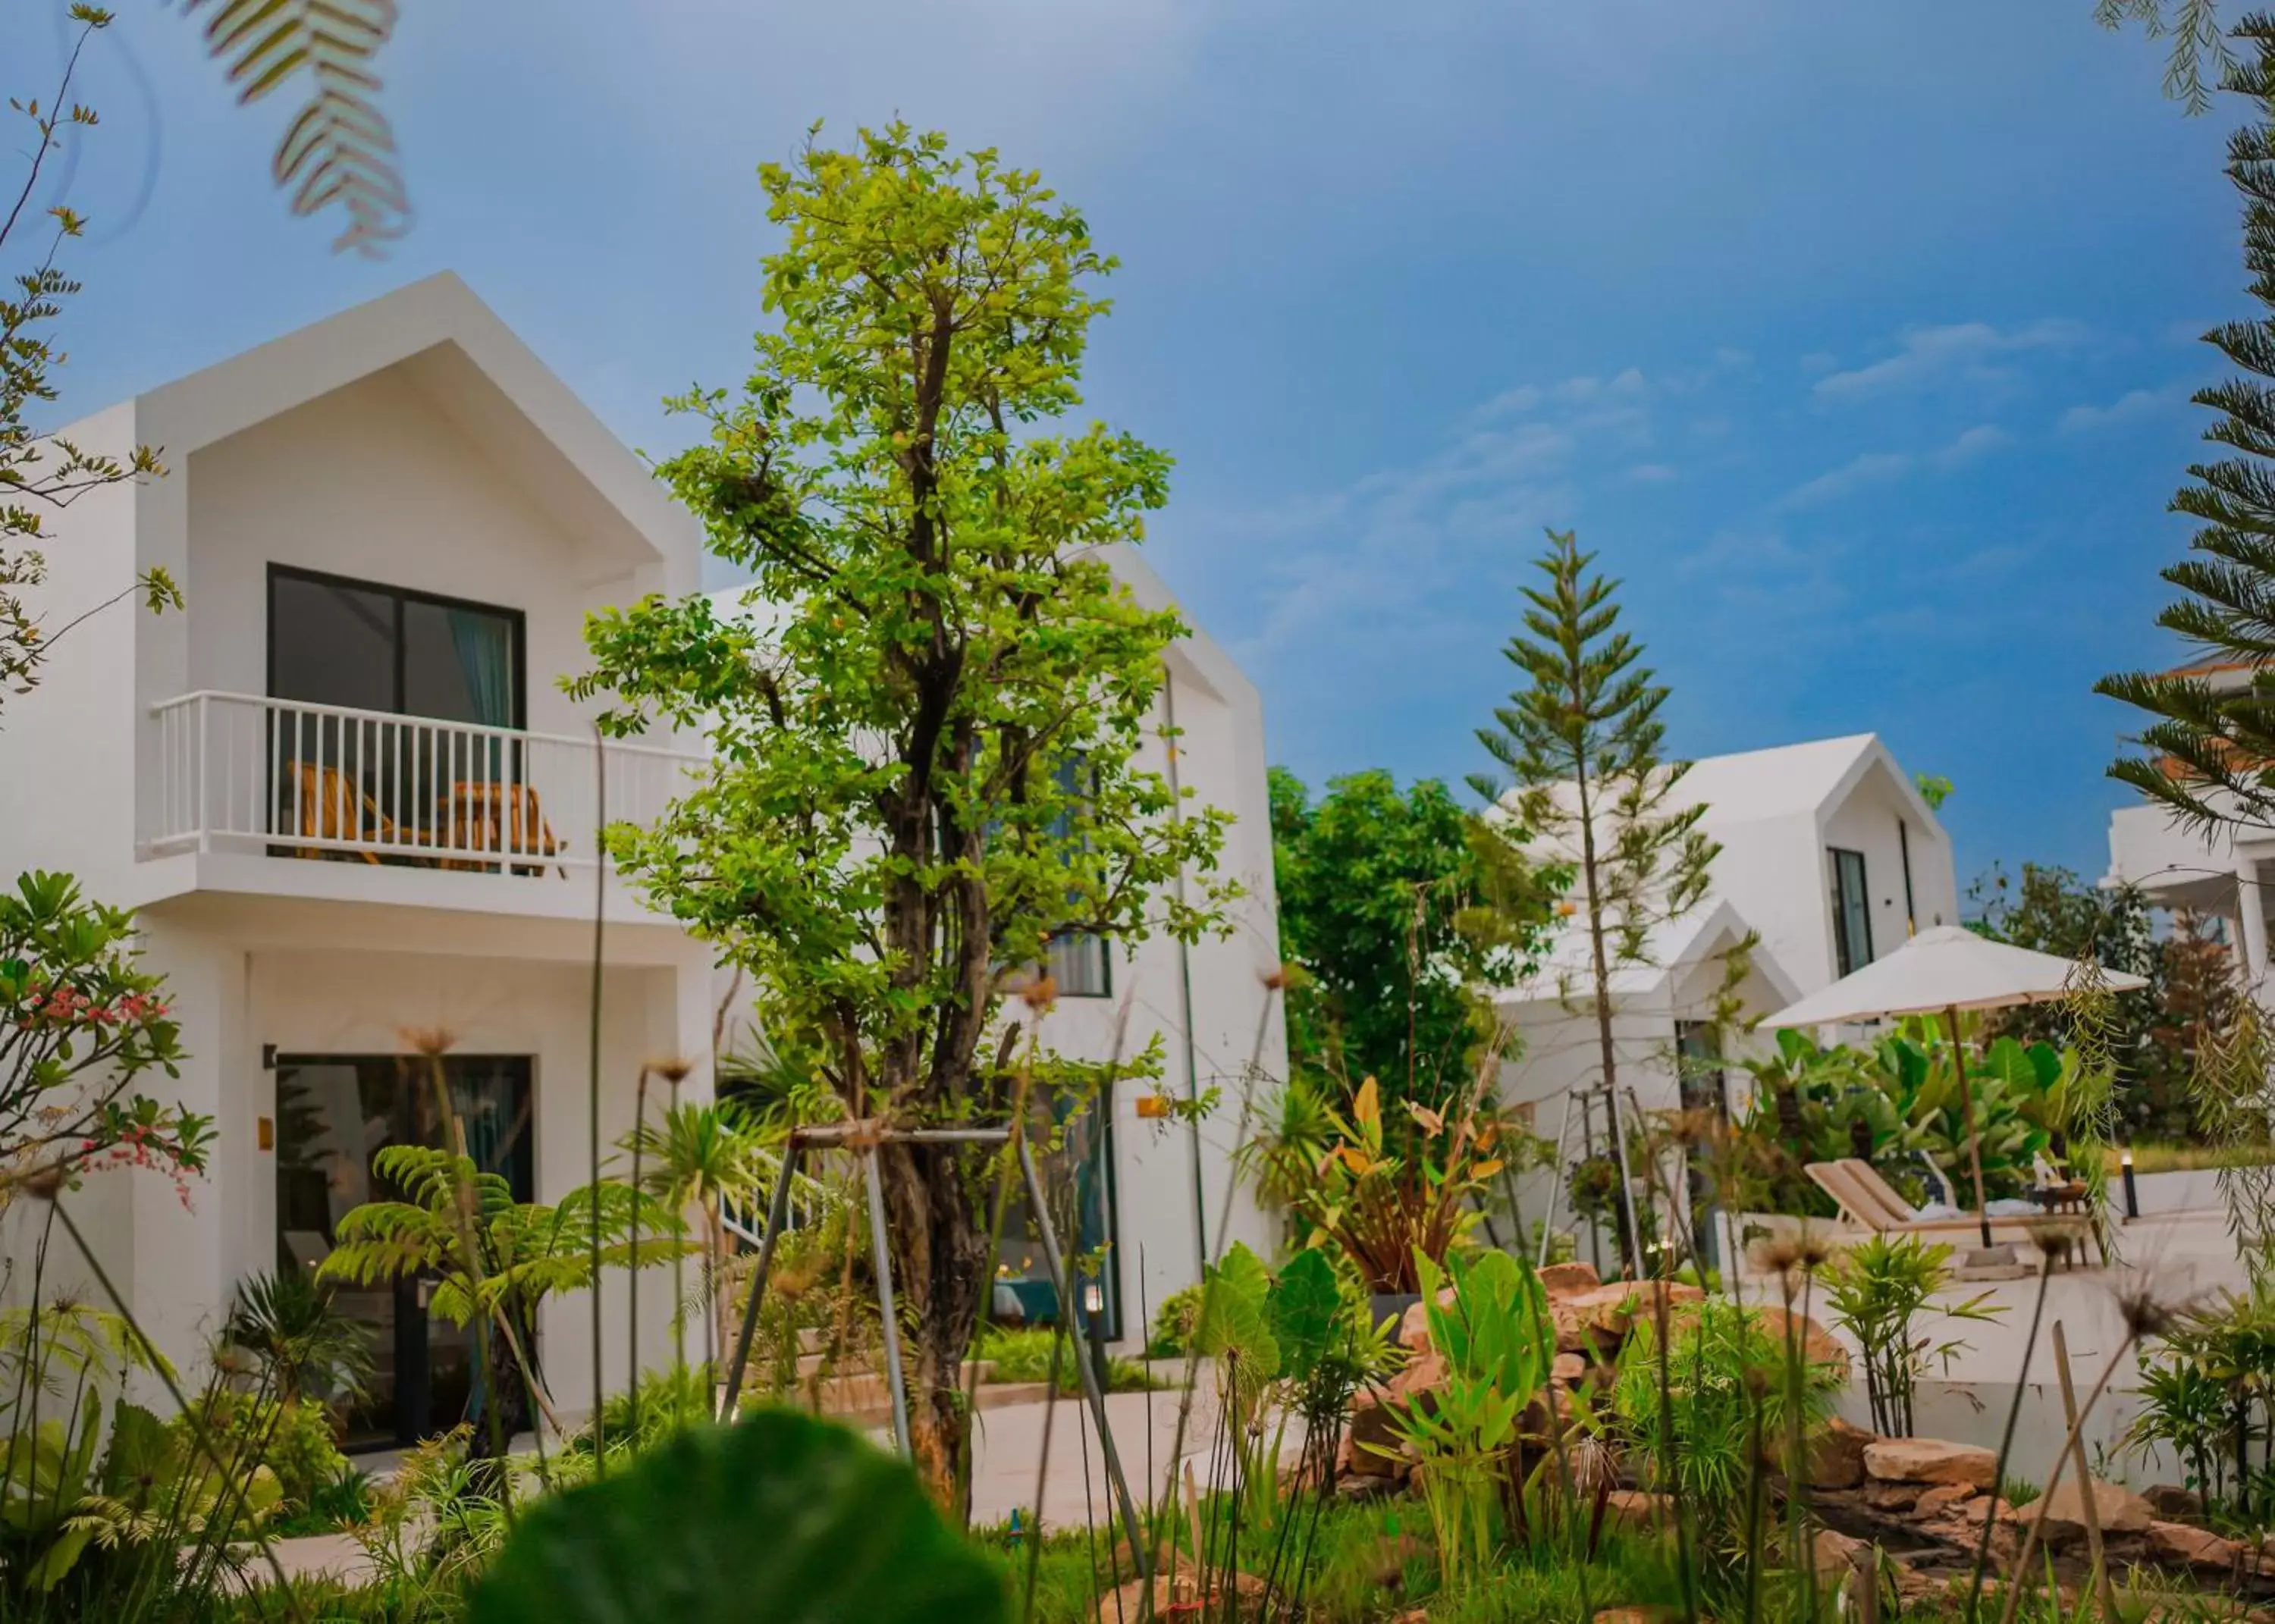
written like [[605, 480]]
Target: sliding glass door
[[393, 653], [334, 1114]]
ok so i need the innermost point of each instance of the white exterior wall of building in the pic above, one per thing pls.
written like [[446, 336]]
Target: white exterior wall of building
[[413, 443]]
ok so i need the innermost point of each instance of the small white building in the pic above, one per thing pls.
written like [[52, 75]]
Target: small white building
[[2222, 874], [354, 808], [1829, 859]]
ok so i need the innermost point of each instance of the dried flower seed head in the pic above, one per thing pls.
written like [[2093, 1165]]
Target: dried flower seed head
[[2054, 1242], [2147, 1317], [1040, 994], [1275, 978], [1777, 1254], [430, 1041], [1815, 1248], [45, 1183], [1692, 1128], [672, 1069]]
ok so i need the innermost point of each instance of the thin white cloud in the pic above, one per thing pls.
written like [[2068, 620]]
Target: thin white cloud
[[1929, 355], [1820, 361], [2131, 407], [1652, 474], [1872, 468], [1977, 441]]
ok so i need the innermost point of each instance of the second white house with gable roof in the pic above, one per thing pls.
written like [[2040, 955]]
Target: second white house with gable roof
[[1829, 859]]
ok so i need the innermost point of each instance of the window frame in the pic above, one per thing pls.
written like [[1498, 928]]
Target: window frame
[[1845, 956], [398, 596]]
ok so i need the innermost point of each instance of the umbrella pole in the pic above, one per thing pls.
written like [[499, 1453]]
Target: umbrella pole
[[1967, 1113]]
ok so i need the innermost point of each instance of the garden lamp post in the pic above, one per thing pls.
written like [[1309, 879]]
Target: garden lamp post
[[1940, 972]]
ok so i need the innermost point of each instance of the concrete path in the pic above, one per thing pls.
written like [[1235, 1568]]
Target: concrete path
[[1008, 1458]]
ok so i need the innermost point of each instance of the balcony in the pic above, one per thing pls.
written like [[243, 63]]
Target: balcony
[[237, 773]]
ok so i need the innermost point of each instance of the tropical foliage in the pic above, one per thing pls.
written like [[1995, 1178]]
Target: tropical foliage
[[1396, 907], [494, 1259], [1495, 1337], [1875, 1291], [1897, 1102], [1381, 1197], [80, 1024]]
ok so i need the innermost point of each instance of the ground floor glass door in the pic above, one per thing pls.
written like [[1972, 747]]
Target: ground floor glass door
[[334, 1115]]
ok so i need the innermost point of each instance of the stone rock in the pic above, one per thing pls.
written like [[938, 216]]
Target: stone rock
[[1929, 1459], [1897, 1497], [1818, 1345], [1639, 1509], [1179, 1595], [1371, 1432], [1613, 1309], [1414, 1329], [1938, 1498], [2120, 1510], [1424, 1374], [1834, 1458], [2178, 1544], [1833, 1552], [2172, 1502], [1569, 1368], [1564, 1280]]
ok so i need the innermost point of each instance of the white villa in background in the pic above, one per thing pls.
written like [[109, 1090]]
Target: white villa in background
[[352, 807], [1829, 857], [2223, 875]]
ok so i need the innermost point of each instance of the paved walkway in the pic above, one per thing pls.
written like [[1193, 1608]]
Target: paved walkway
[[1009, 1455]]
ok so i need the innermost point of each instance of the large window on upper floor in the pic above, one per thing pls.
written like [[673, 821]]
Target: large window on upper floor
[[1852, 912], [334, 641]]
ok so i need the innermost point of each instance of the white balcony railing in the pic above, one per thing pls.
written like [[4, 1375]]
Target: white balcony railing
[[235, 773]]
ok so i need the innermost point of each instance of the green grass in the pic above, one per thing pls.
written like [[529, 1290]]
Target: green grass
[[1026, 1357], [2187, 1157]]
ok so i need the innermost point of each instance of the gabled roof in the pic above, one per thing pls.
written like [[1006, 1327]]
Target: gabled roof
[[476, 373], [1789, 779], [1672, 949]]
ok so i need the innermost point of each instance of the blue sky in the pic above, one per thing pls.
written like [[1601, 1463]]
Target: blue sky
[[1856, 339]]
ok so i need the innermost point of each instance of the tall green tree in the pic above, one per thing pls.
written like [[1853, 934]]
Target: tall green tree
[[1396, 906], [926, 750], [2198, 54], [1585, 768], [2208, 741]]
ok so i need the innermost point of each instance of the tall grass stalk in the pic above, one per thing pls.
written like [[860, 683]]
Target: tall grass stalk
[[2069, 1448], [2006, 1439]]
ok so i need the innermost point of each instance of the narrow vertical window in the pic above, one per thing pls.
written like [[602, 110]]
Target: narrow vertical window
[[1852, 912]]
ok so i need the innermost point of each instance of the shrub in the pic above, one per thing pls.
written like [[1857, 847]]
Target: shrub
[[1172, 1336], [1726, 1385], [1874, 1289], [292, 1437], [1025, 1356]]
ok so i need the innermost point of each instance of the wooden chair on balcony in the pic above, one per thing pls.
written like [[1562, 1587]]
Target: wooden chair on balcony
[[331, 805], [489, 816]]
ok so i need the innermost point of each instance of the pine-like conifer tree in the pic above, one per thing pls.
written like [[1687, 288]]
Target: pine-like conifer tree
[[1581, 743], [2209, 749]]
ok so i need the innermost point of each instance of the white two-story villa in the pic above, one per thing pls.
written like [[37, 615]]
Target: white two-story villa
[[356, 814]]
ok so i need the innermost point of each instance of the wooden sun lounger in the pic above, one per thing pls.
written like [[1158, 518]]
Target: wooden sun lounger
[[1906, 1216], [1863, 1205]]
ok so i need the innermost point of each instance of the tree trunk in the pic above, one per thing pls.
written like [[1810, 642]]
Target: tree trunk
[[939, 1251]]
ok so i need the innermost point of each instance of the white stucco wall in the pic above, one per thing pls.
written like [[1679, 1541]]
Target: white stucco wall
[[1867, 820], [372, 482]]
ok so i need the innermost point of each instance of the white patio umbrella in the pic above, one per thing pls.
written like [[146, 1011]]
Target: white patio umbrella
[[1944, 970]]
